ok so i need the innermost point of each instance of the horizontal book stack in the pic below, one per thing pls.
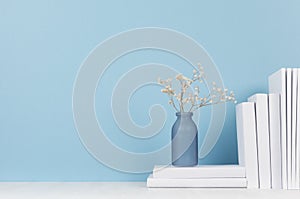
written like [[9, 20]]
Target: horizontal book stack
[[268, 130], [209, 176]]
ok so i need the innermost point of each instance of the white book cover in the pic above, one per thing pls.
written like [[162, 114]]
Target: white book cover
[[201, 171], [277, 84], [275, 140], [246, 136], [294, 126], [297, 182], [263, 140], [197, 183], [289, 125]]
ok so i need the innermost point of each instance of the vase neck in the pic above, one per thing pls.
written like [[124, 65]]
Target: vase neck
[[184, 114]]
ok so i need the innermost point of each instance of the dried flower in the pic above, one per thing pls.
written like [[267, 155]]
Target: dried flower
[[190, 95], [179, 77]]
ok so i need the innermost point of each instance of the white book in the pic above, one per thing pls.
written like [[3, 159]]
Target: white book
[[297, 183], [289, 125], [197, 183], [201, 171], [294, 126], [247, 147], [263, 140], [275, 140], [277, 84]]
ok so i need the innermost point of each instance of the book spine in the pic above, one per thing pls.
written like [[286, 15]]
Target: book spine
[[214, 171], [294, 126], [289, 126], [277, 84], [247, 147], [263, 140], [297, 174], [275, 140], [197, 183]]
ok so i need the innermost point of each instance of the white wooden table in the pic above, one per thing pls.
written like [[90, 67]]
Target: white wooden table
[[119, 190]]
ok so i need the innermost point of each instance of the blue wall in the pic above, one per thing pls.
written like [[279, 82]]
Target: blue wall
[[43, 43]]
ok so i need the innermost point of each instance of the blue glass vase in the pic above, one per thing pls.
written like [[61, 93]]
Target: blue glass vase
[[184, 141]]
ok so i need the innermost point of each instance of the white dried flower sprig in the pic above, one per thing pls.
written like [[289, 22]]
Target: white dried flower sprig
[[190, 94]]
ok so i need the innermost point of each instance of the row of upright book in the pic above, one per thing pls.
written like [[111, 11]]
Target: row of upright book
[[268, 131]]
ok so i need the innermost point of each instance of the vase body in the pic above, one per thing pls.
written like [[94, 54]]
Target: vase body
[[184, 141]]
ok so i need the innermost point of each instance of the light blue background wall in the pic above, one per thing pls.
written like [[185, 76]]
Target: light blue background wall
[[43, 43]]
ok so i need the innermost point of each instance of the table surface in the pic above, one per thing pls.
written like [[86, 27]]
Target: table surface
[[107, 190]]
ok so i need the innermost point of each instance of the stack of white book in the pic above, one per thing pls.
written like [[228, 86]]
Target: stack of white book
[[208, 176], [268, 130]]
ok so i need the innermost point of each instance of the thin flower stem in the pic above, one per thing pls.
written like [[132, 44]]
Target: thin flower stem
[[173, 104], [208, 104], [193, 104], [191, 108], [181, 97]]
